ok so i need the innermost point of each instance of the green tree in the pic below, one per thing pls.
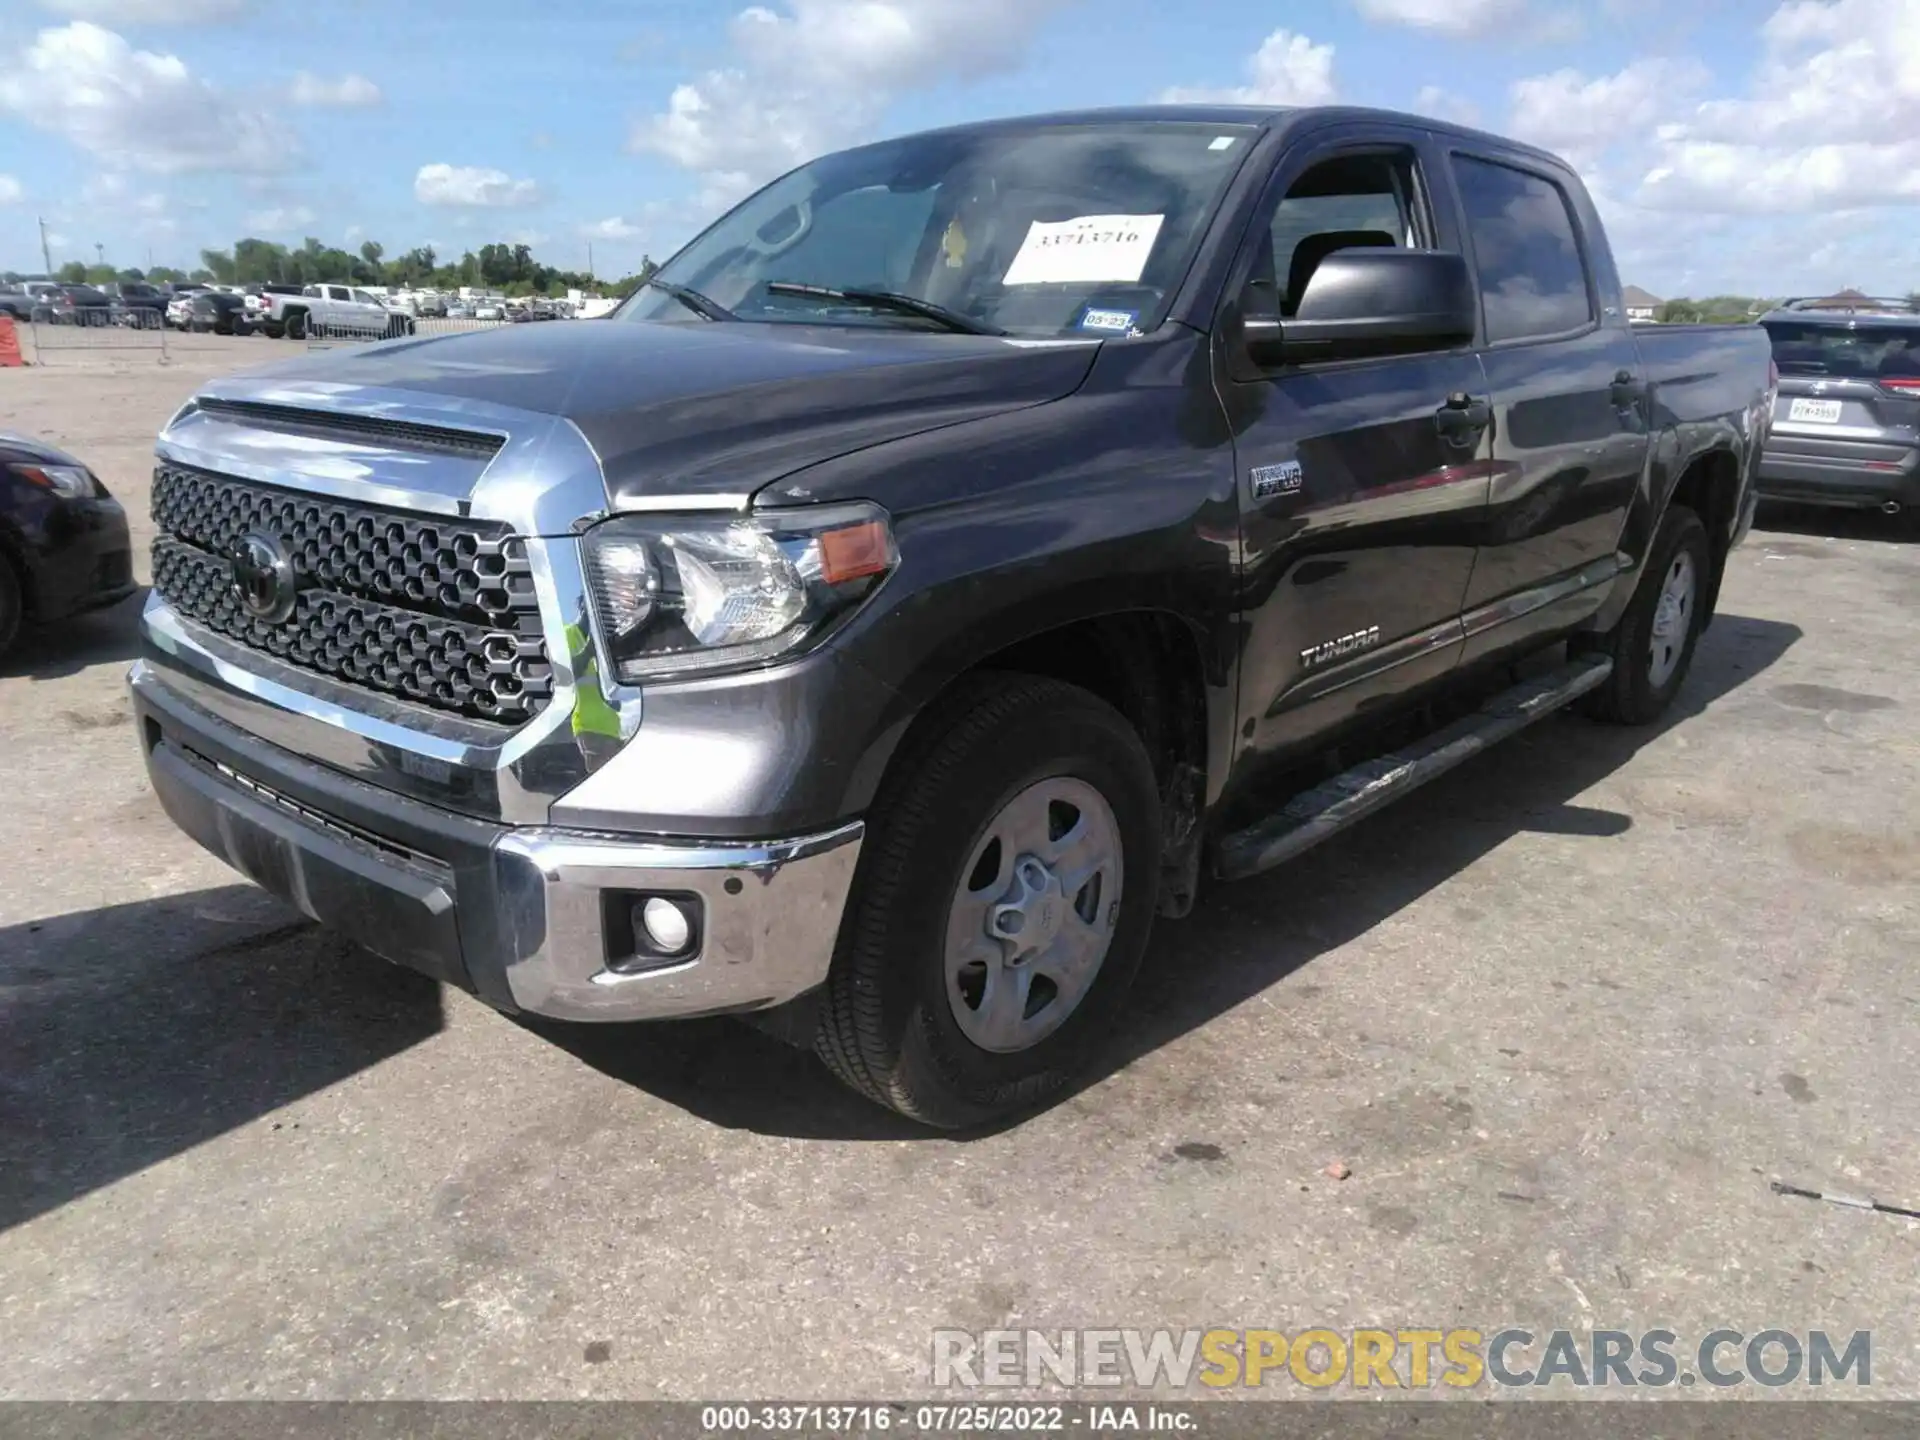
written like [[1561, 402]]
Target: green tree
[[74, 272], [219, 265]]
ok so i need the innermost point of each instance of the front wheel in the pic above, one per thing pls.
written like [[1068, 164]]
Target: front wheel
[[1003, 904], [1653, 643]]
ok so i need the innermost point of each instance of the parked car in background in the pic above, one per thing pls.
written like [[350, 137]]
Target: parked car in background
[[457, 310], [430, 302], [64, 545], [1846, 425], [180, 303], [15, 300], [137, 295], [330, 310], [256, 297], [218, 312], [80, 305], [490, 309], [887, 622]]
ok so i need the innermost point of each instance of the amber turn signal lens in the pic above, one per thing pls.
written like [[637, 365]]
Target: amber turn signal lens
[[854, 552]]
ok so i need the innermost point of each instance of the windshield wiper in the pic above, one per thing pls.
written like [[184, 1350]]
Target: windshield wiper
[[889, 300], [693, 300]]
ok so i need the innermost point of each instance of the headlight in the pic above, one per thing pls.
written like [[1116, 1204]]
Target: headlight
[[677, 593], [69, 482]]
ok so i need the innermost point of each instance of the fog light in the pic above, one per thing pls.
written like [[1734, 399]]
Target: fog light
[[666, 925]]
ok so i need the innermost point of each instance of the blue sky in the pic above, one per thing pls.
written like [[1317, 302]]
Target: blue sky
[[1734, 144]]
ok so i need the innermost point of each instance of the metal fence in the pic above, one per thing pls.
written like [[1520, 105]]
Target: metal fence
[[97, 333]]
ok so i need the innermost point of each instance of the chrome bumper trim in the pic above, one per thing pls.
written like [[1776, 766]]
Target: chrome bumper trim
[[772, 917]]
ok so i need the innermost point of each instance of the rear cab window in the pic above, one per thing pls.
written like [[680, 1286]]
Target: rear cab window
[[1526, 251]]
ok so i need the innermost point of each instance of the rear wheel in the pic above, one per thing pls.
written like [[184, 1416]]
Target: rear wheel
[[296, 326], [1002, 907], [1653, 643]]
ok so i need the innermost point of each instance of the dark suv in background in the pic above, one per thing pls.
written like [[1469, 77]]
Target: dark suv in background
[[1846, 425]]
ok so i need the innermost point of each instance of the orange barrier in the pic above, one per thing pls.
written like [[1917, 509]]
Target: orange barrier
[[9, 343]]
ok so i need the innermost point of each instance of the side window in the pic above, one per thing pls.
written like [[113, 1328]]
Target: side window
[[1525, 248], [1337, 204]]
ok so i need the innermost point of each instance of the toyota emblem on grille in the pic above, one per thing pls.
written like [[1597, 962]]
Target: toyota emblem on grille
[[263, 580]]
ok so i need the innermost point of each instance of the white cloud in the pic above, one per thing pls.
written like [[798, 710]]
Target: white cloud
[[1449, 17], [472, 185], [348, 92], [280, 220], [1443, 104], [147, 12], [1287, 69], [10, 191], [820, 74], [137, 109], [1579, 117], [111, 195], [1831, 118], [614, 227]]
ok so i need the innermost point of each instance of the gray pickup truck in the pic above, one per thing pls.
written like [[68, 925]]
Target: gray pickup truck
[[955, 555]]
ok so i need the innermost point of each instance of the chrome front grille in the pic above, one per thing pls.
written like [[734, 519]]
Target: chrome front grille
[[436, 609]]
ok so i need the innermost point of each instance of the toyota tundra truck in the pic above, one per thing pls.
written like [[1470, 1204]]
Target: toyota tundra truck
[[955, 556]]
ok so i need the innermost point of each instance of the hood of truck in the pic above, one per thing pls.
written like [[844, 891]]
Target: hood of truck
[[705, 409]]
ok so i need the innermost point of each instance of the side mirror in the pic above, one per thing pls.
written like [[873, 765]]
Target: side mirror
[[1373, 301]]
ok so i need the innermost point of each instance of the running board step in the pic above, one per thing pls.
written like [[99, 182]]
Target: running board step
[[1327, 809]]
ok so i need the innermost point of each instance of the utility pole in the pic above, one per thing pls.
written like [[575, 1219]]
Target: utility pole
[[589, 260], [46, 255], [100, 251]]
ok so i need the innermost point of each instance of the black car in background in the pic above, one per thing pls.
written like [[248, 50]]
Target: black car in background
[[219, 312], [137, 302], [64, 546], [1846, 425], [80, 305]]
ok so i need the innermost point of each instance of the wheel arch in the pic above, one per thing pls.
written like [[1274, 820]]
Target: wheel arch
[[1151, 666]]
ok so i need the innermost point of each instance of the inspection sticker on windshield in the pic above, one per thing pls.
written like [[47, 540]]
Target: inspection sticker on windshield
[[1118, 320], [1093, 249]]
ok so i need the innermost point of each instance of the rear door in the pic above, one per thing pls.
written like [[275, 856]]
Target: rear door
[[1570, 395], [1363, 483]]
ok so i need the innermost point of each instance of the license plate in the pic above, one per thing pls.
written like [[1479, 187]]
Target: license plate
[[1817, 412]]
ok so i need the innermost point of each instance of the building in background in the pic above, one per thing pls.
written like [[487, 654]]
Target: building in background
[[1640, 305]]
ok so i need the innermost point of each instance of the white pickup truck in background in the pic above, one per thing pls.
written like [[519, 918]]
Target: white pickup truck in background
[[321, 311]]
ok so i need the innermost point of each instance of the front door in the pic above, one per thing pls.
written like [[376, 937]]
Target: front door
[[1363, 484]]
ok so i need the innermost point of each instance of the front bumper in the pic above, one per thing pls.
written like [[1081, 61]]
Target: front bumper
[[82, 559], [523, 916]]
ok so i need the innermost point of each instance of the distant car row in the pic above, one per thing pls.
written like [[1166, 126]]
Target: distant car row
[[294, 312]]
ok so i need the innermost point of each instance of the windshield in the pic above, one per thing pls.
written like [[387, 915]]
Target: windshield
[[1869, 353], [1043, 232]]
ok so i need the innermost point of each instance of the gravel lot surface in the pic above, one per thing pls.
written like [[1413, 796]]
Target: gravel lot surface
[[1562, 1015]]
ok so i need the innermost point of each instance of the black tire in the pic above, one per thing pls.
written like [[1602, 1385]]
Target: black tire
[[1630, 696], [12, 606], [887, 1027], [296, 325]]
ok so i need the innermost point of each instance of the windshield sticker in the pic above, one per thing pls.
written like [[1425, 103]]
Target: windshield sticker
[[953, 244], [1120, 320], [1225, 142], [1090, 250]]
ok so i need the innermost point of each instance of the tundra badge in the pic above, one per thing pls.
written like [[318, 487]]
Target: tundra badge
[[1317, 655], [1272, 480]]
